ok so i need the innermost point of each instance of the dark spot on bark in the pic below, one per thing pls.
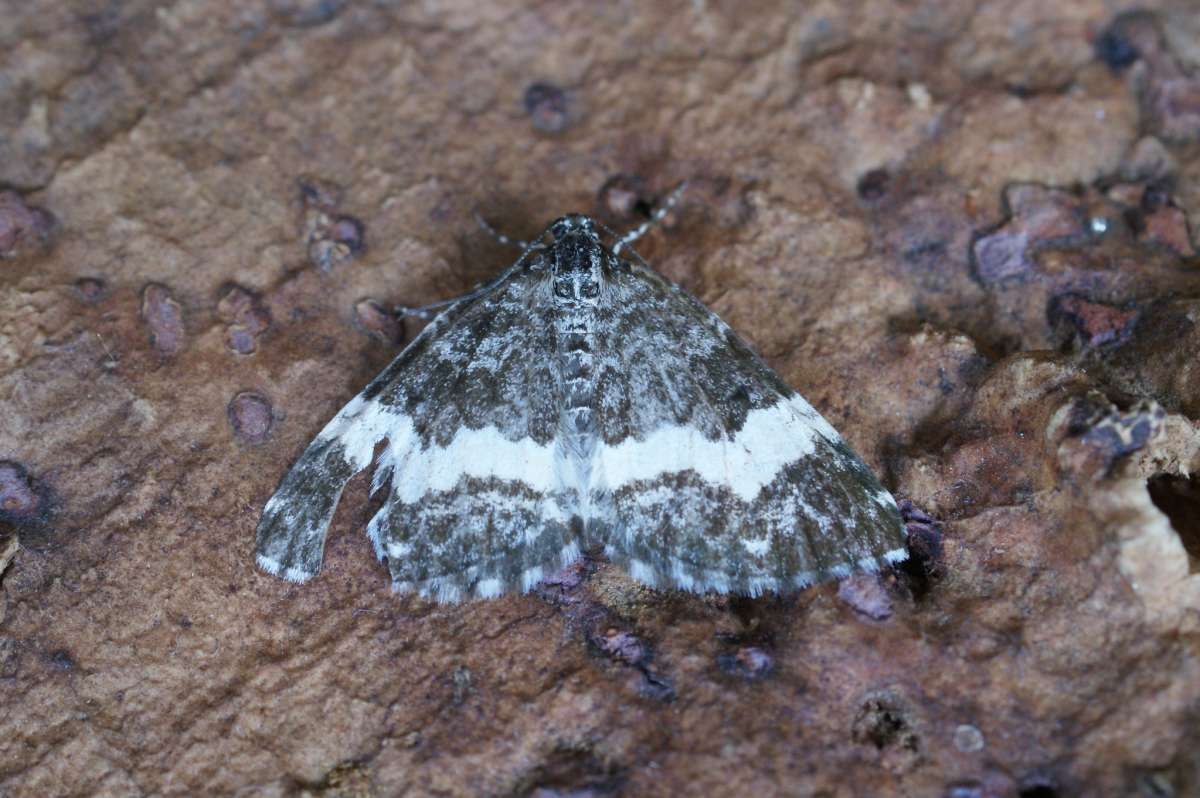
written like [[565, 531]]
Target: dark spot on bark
[[965, 790], [575, 772], [460, 680], [10, 658], [1038, 218], [22, 226], [1178, 498], [1116, 51], [1155, 197], [749, 611], [1158, 220], [606, 635], [335, 242], [350, 777], [1092, 323], [864, 594], [102, 27], [624, 196], [548, 107], [90, 289], [349, 231], [1038, 789], [164, 316], [319, 193], [240, 340], [251, 416], [312, 14], [1109, 434], [331, 237], [1135, 220], [748, 662], [61, 659], [23, 500], [925, 252], [655, 686], [246, 316], [884, 724], [378, 322], [873, 185], [924, 542], [621, 646]]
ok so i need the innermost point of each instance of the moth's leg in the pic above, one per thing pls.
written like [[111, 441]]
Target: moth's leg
[[424, 311], [655, 218]]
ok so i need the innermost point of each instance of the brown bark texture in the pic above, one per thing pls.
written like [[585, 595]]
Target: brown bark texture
[[965, 231]]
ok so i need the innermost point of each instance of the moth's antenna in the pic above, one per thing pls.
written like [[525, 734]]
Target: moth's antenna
[[503, 239], [655, 218], [424, 311], [630, 251]]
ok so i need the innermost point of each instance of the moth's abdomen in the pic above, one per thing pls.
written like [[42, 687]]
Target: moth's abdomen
[[576, 353], [577, 424]]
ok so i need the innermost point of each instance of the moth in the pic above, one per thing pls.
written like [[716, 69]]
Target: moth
[[580, 400]]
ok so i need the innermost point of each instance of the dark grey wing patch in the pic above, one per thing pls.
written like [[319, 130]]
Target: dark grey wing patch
[[480, 538]]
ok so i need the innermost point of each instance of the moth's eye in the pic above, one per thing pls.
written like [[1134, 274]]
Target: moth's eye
[[562, 290], [589, 290]]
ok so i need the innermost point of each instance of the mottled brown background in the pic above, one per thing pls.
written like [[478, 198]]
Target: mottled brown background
[[961, 229]]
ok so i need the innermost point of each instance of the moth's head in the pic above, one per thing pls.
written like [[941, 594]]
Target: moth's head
[[572, 225], [576, 260]]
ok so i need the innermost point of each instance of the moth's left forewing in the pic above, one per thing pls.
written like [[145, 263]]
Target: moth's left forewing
[[290, 538], [475, 505], [478, 508], [723, 478]]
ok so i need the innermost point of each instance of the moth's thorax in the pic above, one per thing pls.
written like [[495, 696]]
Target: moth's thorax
[[577, 261]]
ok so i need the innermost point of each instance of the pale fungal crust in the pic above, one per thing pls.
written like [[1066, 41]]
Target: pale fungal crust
[[582, 400]]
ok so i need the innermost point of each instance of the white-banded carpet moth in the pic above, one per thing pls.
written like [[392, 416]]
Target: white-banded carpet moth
[[581, 400]]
